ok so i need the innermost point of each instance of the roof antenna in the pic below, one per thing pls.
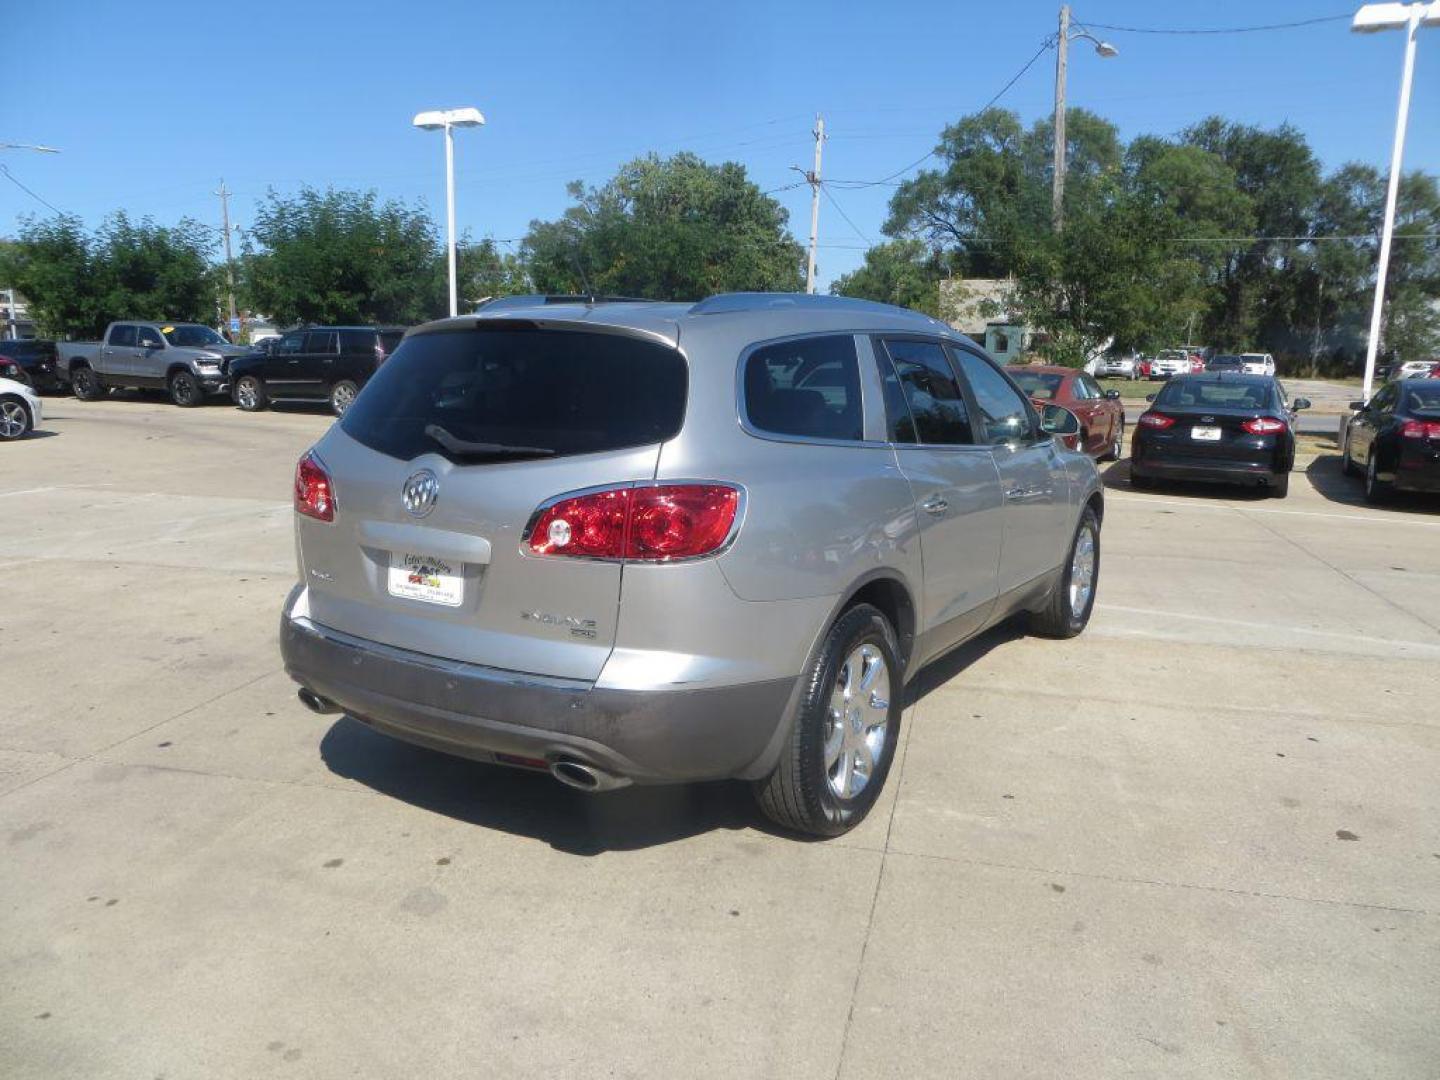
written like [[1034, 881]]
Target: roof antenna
[[580, 270]]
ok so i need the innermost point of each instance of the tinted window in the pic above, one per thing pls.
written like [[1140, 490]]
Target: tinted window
[[192, 335], [809, 388], [1003, 412], [1422, 399], [320, 341], [566, 391], [923, 402], [291, 344], [1215, 394], [390, 340], [1038, 384], [122, 336], [147, 337], [1090, 386], [357, 342]]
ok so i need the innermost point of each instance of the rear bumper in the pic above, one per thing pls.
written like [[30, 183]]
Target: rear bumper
[[649, 736], [1211, 471]]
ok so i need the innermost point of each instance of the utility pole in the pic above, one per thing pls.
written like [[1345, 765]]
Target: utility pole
[[813, 179], [1062, 57], [224, 194]]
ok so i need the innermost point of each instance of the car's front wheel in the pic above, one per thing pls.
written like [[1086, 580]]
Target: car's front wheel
[[185, 390], [1117, 445], [14, 419], [250, 393], [846, 729], [1073, 598], [87, 385]]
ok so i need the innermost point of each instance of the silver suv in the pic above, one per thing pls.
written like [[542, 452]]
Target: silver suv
[[647, 542]]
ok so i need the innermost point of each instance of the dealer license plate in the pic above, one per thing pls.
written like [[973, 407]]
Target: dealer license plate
[[1205, 434], [431, 580]]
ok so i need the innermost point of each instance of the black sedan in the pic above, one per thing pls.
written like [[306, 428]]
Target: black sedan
[[1219, 427], [36, 358], [1394, 439]]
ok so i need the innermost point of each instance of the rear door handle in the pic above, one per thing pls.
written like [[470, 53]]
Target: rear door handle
[[935, 505]]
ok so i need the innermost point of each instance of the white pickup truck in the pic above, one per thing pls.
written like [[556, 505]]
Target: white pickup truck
[[187, 360]]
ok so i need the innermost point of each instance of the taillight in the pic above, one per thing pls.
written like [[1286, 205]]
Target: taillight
[[314, 493], [1264, 425], [1420, 429], [651, 523], [1156, 420]]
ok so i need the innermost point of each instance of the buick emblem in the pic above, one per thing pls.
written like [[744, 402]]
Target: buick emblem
[[419, 493]]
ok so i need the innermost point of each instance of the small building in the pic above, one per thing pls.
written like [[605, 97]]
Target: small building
[[986, 310], [1007, 341]]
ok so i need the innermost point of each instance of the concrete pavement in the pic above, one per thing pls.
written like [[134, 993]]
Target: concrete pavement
[[1203, 839]]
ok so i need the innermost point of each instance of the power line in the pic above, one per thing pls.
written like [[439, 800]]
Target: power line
[[1222, 29], [9, 176], [841, 211]]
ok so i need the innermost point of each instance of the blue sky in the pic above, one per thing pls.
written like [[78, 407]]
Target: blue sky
[[152, 102]]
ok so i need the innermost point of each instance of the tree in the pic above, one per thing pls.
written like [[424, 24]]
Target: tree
[[77, 282], [666, 229], [902, 272], [484, 271], [343, 257]]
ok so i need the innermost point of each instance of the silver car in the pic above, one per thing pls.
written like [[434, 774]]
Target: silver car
[[634, 542]]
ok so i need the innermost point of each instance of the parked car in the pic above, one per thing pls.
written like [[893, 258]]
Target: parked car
[[1393, 440], [1197, 363], [1168, 363], [9, 369], [1120, 366], [1410, 369], [1258, 363], [36, 358], [1102, 416], [1231, 429], [187, 360], [768, 493], [318, 363], [20, 410], [1227, 362]]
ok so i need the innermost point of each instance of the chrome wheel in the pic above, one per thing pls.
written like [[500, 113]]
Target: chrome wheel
[[342, 397], [247, 394], [858, 719], [1082, 572], [14, 420]]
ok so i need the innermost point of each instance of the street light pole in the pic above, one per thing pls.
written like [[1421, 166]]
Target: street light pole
[[224, 194], [1370, 18], [447, 120], [1062, 58]]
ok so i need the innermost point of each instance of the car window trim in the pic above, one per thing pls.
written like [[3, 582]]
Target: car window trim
[[868, 393], [877, 344], [1038, 435]]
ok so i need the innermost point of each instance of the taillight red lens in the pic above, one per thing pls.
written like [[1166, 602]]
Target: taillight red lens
[[1157, 420], [1264, 425], [1420, 429], [653, 523], [314, 493]]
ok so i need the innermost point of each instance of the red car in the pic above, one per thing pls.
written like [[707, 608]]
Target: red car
[[1101, 414]]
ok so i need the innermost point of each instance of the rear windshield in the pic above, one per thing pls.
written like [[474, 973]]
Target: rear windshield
[[1042, 385], [554, 392], [1227, 361], [1214, 394], [1420, 398]]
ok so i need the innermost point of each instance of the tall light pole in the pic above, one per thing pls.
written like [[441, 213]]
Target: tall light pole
[[447, 120], [225, 194], [1062, 60], [813, 179], [1368, 20]]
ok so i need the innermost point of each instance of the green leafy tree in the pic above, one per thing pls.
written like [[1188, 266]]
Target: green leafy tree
[[78, 281], [902, 272], [343, 257], [484, 271], [666, 229]]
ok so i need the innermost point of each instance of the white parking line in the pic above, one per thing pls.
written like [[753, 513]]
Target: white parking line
[[1272, 628], [25, 491], [1364, 519]]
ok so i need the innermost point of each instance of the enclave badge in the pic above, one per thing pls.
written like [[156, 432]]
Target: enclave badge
[[419, 493]]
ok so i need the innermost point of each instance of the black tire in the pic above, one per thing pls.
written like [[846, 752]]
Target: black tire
[[1280, 486], [1347, 463], [250, 394], [799, 795], [87, 384], [15, 419], [185, 390], [1376, 490], [342, 395], [1059, 618], [1118, 446]]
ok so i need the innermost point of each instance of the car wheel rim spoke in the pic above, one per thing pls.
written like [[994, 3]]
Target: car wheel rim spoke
[[1082, 571], [857, 721]]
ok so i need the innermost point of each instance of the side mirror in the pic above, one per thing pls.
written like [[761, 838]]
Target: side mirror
[[1062, 423], [1113, 395], [1300, 403], [1357, 405], [1149, 397]]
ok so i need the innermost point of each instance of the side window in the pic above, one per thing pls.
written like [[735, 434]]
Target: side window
[[122, 336], [1091, 387], [809, 388], [923, 402], [1384, 401], [357, 342], [1004, 416], [148, 337], [291, 344], [320, 341]]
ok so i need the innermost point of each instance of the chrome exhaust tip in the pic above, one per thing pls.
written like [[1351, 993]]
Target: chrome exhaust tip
[[315, 703], [578, 774]]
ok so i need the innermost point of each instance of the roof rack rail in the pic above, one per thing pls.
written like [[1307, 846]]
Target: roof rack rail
[[726, 303], [531, 300]]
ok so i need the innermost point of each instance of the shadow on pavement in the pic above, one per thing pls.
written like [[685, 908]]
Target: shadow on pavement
[[1116, 477], [937, 673], [1327, 478]]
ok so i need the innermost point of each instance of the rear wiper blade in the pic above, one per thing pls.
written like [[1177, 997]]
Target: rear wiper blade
[[465, 448]]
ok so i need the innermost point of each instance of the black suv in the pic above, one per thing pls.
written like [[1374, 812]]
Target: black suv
[[317, 363], [36, 358]]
